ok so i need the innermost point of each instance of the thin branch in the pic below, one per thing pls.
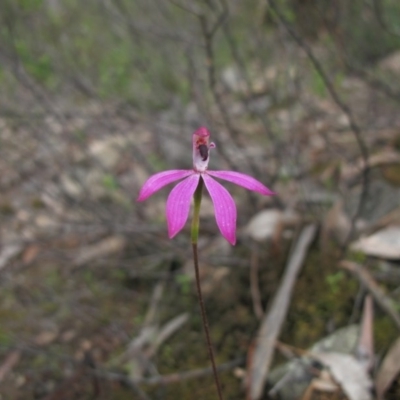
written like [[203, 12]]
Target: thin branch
[[193, 374], [383, 300], [377, 6], [163, 380], [208, 35], [341, 104], [275, 142]]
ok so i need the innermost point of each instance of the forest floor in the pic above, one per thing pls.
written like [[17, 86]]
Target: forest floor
[[97, 302]]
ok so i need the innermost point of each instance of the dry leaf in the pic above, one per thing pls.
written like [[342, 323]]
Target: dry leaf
[[384, 244], [8, 252], [30, 253], [348, 373], [45, 337], [104, 248], [365, 348], [9, 363], [324, 383], [389, 370]]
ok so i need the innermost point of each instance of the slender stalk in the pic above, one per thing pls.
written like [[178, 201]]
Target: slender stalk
[[196, 211], [195, 236]]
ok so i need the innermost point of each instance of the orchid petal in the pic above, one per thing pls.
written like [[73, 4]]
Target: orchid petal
[[225, 208], [243, 180], [158, 181], [178, 204]]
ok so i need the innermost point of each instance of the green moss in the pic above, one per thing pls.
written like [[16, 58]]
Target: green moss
[[54, 279], [391, 173], [6, 338], [396, 142], [110, 182], [357, 256], [334, 281], [318, 84], [321, 296], [38, 65], [385, 332], [184, 282], [30, 5], [6, 209], [37, 203]]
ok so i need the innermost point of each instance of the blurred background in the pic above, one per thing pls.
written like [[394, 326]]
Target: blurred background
[[95, 96]]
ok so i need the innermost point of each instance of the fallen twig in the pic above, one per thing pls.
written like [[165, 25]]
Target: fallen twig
[[254, 287], [166, 331], [372, 286], [9, 363], [172, 378], [155, 300], [260, 362]]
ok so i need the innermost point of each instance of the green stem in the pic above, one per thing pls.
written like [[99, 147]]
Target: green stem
[[195, 236], [196, 212]]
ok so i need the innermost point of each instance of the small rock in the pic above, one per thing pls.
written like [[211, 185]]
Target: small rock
[[8, 252], [391, 63], [100, 250], [265, 224], [233, 79], [70, 186], [46, 337], [108, 151], [45, 222]]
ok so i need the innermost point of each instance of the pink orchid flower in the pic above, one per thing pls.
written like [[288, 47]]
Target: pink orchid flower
[[178, 202]]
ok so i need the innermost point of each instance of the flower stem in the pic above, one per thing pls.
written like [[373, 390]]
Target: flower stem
[[195, 236], [196, 212]]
